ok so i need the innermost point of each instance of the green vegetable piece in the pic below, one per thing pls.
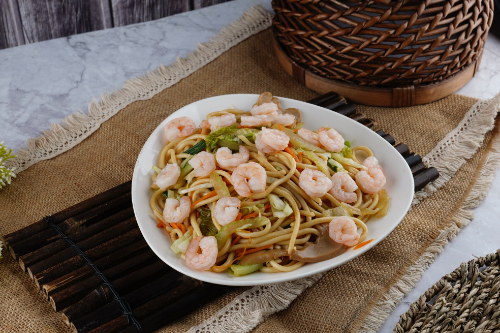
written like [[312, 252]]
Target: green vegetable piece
[[347, 143], [248, 133], [276, 202], [219, 185], [346, 152], [318, 161], [298, 142], [196, 148], [224, 133], [180, 245], [240, 270], [207, 226], [337, 211], [282, 213], [233, 145], [347, 161], [336, 166], [227, 230], [186, 168]]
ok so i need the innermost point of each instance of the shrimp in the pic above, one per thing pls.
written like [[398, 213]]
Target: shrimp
[[176, 211], [225, 120], [331, 139], [226, 209], [271, 141], [343, 230], [203, 163], [371, 162], [343, 187], [179, 128], [204, 260], [284, 119], [309, 136], [229, 161], [205, 124], [168, 176], [249, 178], [314, 182], [372, 180], [254, 121], [264, 108]]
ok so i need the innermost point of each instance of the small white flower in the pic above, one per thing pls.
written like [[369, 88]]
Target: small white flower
[[6, 174]]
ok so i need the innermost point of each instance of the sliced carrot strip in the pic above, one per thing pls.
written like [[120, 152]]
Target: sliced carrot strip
[[160, 225], [238, 217], [362, 244], [290, 151], [237, 258], [174, 225], [258, 249], [183, 228], [279, 127], [206, 196], [236, 240], [249, 216]]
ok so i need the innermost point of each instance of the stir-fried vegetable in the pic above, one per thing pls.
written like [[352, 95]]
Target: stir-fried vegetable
[[279, 207], [298, 142], [347, 161], [318, 161], [181, 245], [383, 203], [240, 270], [336, 166], [207, 227], [227, 230], [219, 185], [346, 151], [196, 148], [185, 169], [337, 211], [248, 133], [224, 133]]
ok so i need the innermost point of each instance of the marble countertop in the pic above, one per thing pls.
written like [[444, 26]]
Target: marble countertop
[[44, 82]]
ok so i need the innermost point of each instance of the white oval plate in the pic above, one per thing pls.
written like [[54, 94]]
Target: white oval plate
[[399, 186]]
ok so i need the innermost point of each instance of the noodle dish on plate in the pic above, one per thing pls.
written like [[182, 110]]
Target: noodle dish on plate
[[256, 189]]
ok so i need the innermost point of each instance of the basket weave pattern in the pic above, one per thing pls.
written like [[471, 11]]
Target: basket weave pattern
[[383, 43], [466, 300]]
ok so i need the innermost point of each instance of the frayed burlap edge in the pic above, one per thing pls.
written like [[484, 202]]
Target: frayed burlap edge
[[252, 307], [78, 126]]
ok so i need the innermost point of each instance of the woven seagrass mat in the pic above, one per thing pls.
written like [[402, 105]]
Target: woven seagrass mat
[[465, 300], [341, 299]]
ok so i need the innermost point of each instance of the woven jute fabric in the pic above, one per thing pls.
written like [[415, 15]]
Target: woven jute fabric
[[340, 300]]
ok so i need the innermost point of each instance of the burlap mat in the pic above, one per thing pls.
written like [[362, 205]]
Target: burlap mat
[[346, 299]]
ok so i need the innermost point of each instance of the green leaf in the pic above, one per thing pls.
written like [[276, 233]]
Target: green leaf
[[207, 226], [225, 133]]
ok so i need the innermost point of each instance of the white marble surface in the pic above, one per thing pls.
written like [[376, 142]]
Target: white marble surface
[[42, 83]]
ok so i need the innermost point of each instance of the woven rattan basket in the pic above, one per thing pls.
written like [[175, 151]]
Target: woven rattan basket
[[382, 52]]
